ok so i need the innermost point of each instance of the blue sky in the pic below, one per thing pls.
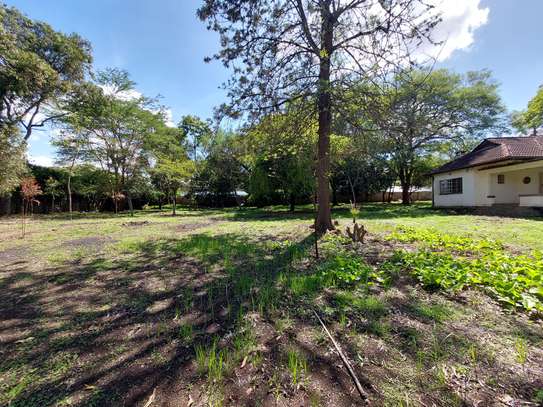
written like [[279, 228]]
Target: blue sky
[[162, 44]]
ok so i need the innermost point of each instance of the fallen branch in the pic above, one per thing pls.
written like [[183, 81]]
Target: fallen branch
[[362, 392]]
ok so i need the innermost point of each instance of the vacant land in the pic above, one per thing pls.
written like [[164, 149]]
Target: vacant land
[[217, 308]]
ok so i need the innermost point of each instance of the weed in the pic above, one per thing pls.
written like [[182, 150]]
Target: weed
[[521, 350], [433, 312], [539, 396], [185, 333], [211, 361], [512, 280], [297, 366], [283, 324]]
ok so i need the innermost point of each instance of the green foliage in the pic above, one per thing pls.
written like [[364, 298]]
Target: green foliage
[[211, 361], [108, 124], [341, 268], [454, 263], [12, 159], [420, 110], [40, 66], [280, 157], [221, 174], [437, 241], [532, 118]]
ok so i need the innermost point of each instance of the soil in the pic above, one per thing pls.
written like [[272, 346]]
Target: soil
[[106, 332]]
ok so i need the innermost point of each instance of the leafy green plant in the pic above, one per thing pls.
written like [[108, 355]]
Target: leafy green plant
[[454, 263]]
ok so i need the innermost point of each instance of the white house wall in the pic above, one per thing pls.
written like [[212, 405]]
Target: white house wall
[[469, 192], [509, 191], [478, 185]]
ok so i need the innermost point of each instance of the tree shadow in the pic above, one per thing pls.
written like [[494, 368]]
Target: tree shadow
[[110, 331], [92, 332]]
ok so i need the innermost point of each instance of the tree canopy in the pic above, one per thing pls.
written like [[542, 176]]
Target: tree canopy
[[298, 50], [40, 68], [530, 119]]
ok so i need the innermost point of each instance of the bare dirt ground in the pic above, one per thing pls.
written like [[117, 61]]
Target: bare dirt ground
[[194, 312]]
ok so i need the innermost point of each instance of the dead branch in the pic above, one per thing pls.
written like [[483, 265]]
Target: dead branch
[[357, 234], [361, 391]]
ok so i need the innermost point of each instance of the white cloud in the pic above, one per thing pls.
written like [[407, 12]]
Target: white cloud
[[130, 94], [42, 160], [460, 19], [168, 118]]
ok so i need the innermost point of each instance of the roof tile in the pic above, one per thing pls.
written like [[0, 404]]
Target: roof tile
[[497, 149]]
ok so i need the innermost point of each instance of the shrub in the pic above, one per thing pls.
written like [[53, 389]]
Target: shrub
[[454, 263]]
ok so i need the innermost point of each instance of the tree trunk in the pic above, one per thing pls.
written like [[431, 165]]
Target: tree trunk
[[292, 202], [23, 219], [69, 185], [406, 197], [324, 214], [160, 203], [174, 202], [334, 194], [130, 204], [353, 193]]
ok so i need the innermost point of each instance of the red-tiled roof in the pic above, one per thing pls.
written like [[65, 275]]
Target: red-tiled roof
[[498, 149]]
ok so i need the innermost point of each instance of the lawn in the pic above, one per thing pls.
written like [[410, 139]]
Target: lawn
[[216, 307]]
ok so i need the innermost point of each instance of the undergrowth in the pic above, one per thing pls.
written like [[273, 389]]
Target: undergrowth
[[454, 263]]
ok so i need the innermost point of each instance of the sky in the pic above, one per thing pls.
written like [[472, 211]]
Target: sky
[[162, 44]]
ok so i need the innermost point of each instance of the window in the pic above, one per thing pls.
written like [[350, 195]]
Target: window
[[450, 186], [501, 179]]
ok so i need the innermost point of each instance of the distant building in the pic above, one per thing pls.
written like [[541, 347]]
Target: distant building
[[395, 194]]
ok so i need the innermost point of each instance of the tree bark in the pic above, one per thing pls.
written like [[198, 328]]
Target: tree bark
[[292, 202], [130, 204], [334, 194], [406, 196], [324, 214], [70, 194], [174, 202]]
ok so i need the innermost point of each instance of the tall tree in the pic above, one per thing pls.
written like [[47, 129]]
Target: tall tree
[[39, 69], [111, 122], [280, 156], [222, 173], [53, 189], [70, 147], [285, 50], [418, 110], [12, 158], [531, 119], [197, 135], [172, 167]]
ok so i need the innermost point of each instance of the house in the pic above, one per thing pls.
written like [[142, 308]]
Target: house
[[505, 171]]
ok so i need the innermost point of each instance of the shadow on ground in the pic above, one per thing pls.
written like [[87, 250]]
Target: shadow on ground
[[156, 320]]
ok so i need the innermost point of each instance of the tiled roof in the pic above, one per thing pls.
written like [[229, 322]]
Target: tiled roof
[[498, 149]]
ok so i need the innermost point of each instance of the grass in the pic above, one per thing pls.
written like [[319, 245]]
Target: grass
[[297, 366], [218, 303]]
